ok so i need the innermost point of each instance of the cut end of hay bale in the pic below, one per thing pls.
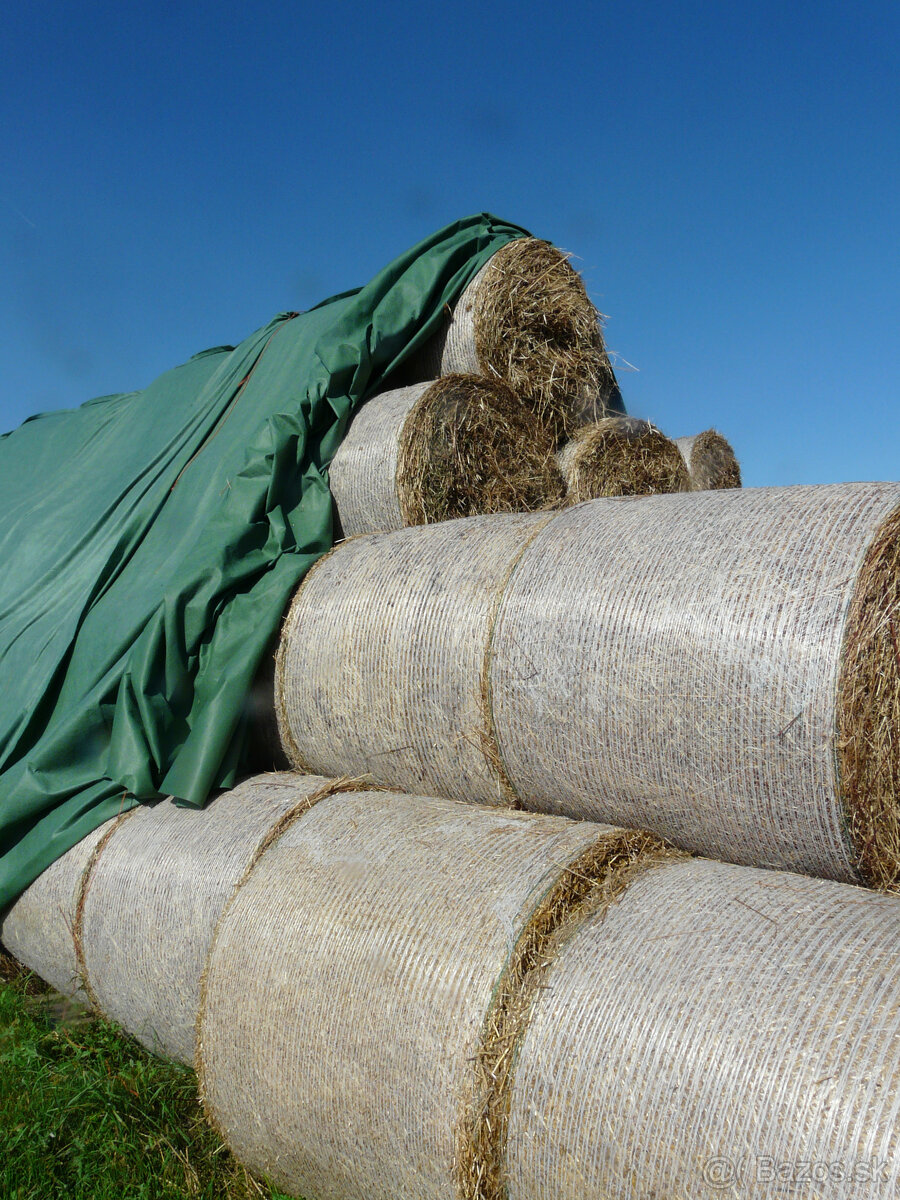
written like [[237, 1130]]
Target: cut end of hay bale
[[536, 328], [597, 878], [711, 461], [621, 456], [868, 747], [468, 447]]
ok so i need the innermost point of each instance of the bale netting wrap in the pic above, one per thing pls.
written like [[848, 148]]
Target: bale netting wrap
[[711, 461], [526, 318], [455, 447], [349, 982], [621, 456], [720, 1031], [155, 896], [39, 928], [721, 668], [382, 663]]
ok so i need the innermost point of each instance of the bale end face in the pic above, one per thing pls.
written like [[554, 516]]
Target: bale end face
[[868, 735], [470, 447], [620, 456], [711, 461], [536, 328]]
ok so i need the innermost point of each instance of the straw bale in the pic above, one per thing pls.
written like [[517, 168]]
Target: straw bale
[[716, 1024], [454, 447], [621, 456], [155, 896], [348, 983], [381, 667], [711, 461], [526, 318], [39, 927], [721, 668]]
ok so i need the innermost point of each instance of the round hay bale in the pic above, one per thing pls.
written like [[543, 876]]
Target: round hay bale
[[39, 929], [621, 456], [526, 318], [154, 898], [381, 666], [345, 1006], [722, 669], [711, 461], [455, 447], [720, 1031]]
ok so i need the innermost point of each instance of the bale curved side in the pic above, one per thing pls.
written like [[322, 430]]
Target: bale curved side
[[348, 982], [155, 896], [673, 663], [381, 667], [718, 1025]]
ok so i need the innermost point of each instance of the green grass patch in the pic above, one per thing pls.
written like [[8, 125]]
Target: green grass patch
[[87, 1114]]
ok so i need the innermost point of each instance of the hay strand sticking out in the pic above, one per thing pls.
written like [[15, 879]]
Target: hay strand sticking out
[[526, 318], [711, 461], [621, 456], [456, 447], [716, 1019]]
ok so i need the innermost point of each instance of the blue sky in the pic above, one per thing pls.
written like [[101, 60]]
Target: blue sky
[[727, 177]]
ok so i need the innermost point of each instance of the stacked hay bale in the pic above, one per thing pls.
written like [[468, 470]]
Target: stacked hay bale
[[526, 319], [456, 447], [123, 921], [660, 663], [621, 456], [711, 461], [507, 998]]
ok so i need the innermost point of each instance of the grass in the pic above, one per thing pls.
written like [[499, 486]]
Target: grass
[[87, 1114]]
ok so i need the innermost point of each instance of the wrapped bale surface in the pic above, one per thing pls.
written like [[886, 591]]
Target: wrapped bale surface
[[155, 895], [710, 460], [720, 1031], [346, 1002], [456, 447], [381, 667], [720, 668], [39, 927], [621, 456], [526, 319]]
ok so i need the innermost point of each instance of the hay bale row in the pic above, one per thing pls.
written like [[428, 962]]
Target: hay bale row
[[455, 447], [411, 997], [621, 456], [526, 319], [721, 668], [710, 460]]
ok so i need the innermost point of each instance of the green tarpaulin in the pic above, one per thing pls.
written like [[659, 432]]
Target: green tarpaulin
[[150, 542]]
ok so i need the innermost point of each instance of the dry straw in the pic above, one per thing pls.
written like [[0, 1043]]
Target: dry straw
[[720, 1031], [39, 928], [526, 319], [349, 983], [710, 460], [722, 668], [382, 664], [155, 895], [455, 447], [621, 456]]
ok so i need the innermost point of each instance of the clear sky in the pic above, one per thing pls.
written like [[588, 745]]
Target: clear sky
[[726, 175]]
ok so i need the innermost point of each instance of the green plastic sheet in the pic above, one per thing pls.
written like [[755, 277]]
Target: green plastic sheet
[[150, 542]]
